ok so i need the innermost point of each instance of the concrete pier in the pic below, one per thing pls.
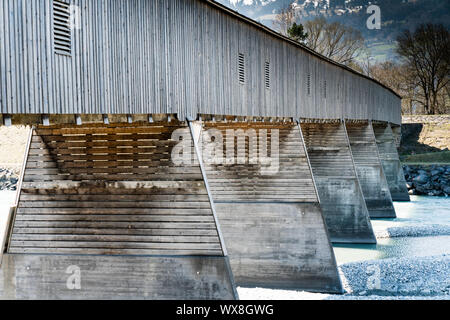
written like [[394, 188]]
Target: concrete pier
[[43, 277], [269, 213], [391, 162], [370, 170], [341, 197], [109, 205]]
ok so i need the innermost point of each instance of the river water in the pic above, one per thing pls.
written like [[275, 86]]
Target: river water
[[421, 211]]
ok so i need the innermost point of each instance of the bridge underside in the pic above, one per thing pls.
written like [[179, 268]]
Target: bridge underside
[[106, 198]]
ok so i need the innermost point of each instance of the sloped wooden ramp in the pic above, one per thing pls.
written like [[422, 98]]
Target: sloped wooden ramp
[[341, 198], [370, 171], [391, 162], [269, 213], [108, 201]]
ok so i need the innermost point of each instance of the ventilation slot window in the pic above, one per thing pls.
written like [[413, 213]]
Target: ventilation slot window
[[241, 68], [61, 28], [267, 74], [325, 89], [308, 84]]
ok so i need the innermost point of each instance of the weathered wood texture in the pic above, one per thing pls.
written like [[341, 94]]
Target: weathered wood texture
[[272, 224], [370, 171], [31, 277], [340, 194], [391, 162], [113, 189], [176, 57], [291, 180]]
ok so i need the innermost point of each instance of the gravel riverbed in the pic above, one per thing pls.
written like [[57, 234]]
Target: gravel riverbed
[[385, 279]]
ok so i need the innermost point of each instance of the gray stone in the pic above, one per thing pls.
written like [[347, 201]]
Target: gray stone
[[421, 178]]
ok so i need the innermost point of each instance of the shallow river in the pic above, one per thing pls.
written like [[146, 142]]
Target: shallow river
[[420, 211]]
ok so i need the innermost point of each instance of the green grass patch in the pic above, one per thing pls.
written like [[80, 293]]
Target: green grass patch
[[430, 158]]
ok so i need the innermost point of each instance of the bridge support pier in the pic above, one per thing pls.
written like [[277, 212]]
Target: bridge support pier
[[391, 162], [369, 169], [341, 197], [104, 213], [269, 213]]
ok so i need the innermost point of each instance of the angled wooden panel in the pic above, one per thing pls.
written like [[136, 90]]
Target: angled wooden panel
[[117, 178], [114, 190], [340, 194], [370, 171], [391, 162], [291, 180], [272, 223]]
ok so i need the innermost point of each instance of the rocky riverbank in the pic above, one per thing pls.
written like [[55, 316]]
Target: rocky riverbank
[[8, 180], [411, 278], [432, 180]]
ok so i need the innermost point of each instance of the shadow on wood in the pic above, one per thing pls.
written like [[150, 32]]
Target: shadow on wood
[[108, 191], [270, 218]]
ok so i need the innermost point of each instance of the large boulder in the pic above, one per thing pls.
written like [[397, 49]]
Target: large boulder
[[422, 178]]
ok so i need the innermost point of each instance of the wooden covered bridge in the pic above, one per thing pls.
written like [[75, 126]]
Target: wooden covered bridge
[[179, 149]]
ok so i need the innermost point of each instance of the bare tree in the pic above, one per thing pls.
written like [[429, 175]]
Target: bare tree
[[427, 52], [334, 40], [400, 78], [284, 20]]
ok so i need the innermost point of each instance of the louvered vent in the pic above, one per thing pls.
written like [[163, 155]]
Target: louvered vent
[[241, 67], [324, 88], [267, 74], [61, 27], [308, 84]]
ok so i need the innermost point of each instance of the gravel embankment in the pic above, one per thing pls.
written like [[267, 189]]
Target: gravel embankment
[[8, 180], [387, 279], [414, 231], [416, 276]]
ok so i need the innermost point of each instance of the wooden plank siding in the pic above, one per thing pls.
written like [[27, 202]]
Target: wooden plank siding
[[292, 181], [112, 190], [171, 57]]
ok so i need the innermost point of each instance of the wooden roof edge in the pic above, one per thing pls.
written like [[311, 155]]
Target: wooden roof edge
[[278, 35]]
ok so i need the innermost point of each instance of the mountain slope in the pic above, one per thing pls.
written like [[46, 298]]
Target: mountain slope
[[396, 15]]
